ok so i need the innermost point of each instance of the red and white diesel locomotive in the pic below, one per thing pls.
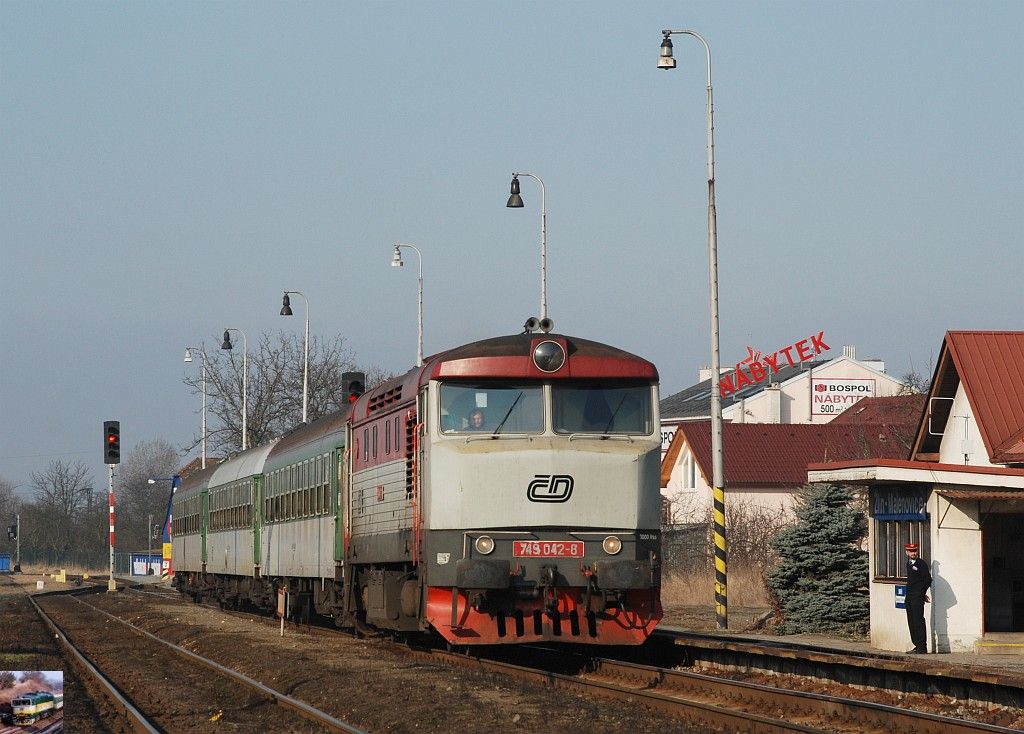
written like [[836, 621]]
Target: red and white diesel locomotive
[[506, 491]]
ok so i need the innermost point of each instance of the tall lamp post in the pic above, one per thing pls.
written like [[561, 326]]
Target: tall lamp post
[[515, 201], [396, 262], [188, 359], [666, 61], [286, 310], [245, 380]]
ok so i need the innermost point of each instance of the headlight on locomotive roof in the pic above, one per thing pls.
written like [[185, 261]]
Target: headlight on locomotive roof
[[484, 545], [611, 545], [549, 356]]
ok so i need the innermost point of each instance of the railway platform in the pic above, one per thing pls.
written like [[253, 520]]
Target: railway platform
[[997, 668]]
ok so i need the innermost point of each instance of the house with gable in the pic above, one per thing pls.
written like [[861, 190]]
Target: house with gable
[[766, 463], [959, 494]]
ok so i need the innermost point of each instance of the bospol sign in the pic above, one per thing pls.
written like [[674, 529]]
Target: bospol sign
[[756, 367], [832, 396]]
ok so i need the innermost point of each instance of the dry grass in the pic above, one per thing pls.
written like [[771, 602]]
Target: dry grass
[[745, 588]]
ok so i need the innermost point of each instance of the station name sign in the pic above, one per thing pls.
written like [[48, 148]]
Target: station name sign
[[756, 367], [905, 502]]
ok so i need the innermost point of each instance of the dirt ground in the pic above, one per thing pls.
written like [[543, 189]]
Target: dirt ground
[[367, 683]]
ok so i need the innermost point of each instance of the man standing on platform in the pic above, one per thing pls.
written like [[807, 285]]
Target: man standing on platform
[[919, 578]]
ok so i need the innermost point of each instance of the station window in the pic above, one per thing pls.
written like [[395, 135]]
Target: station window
[[890, 538]]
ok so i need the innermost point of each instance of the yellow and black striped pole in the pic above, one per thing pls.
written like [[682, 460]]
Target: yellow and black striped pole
[[666, 61]]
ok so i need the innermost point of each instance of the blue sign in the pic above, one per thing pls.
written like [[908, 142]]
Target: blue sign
[[901, 597]]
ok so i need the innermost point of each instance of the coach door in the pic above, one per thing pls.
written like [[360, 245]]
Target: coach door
[[338, 485]]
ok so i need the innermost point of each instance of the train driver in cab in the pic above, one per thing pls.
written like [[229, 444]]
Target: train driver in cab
[[475, 420]]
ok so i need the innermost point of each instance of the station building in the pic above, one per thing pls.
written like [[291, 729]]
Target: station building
[[959, 494]]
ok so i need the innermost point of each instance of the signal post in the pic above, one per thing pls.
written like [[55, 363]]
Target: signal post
[[111, 456]]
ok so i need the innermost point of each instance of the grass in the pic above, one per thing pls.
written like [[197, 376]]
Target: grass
[[745, 588]]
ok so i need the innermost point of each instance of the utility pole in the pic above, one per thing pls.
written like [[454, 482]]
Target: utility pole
[[17, 546], [149, 549]]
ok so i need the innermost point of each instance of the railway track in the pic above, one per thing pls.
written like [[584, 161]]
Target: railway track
[[714, 703], [704, 701], [124, 661]]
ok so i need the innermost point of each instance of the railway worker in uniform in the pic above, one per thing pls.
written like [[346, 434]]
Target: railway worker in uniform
[[919, 578], [475, 420]]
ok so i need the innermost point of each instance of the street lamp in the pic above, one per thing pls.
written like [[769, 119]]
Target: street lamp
[[286, 310], [396, 262], [666, 61], [188, 359], [245, 380], [515, 201]]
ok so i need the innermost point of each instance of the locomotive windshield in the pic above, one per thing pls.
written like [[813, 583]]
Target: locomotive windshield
[[601, 408], [492, 408], [509, 408]]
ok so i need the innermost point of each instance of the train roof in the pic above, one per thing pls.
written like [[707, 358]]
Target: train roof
[[242, 465], [510, 357], [313, 439]]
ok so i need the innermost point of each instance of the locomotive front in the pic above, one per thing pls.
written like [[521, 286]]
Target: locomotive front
[[540, 492]]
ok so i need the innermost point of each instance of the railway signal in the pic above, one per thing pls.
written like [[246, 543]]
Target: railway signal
[[12, 532], [352, 385], [111, 442]]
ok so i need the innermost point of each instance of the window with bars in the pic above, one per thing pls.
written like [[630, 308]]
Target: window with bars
[[890, 538]]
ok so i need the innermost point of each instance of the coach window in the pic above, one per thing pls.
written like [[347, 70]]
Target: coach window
[[495, 408], [602, 409], [366, 444]]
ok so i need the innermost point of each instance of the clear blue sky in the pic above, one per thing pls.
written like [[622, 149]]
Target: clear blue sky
[[168, 169]]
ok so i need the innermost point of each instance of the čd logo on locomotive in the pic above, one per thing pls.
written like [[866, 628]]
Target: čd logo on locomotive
[[550, 488]]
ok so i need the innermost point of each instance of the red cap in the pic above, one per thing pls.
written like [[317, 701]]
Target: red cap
[[911, 546]]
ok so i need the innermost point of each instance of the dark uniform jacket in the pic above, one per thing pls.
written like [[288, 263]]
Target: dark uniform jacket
[[919, 578]]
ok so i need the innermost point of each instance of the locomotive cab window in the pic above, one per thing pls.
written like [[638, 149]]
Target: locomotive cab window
[[602, 408], [494, 408]]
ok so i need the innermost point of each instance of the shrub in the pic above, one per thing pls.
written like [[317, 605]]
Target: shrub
[[820, 582]]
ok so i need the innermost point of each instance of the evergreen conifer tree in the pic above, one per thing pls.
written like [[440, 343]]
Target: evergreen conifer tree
[[821, 581]]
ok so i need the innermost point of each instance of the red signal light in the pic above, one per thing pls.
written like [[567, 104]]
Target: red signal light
[[111, 438], [353, 397]]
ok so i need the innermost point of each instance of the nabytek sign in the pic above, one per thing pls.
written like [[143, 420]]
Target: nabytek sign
[[758, 367], [831, 396]]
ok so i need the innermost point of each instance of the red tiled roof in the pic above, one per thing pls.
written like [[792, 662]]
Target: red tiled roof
[[991, 367], [777, 454], [901, 410]]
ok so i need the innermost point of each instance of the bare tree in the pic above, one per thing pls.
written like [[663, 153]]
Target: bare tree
[[9, 502], [275, 388], [62, 495], [135, 498]]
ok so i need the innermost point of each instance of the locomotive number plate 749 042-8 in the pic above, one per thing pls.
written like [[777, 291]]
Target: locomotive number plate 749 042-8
[[547, 548]]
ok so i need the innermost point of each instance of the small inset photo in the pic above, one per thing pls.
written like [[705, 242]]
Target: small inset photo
[[29, 696]]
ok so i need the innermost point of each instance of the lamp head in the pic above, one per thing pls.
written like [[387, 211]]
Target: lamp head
[[396, 261], [227, 341], [188, 354], [286, 305], [515, 201], [151, 481], [665, 60]]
